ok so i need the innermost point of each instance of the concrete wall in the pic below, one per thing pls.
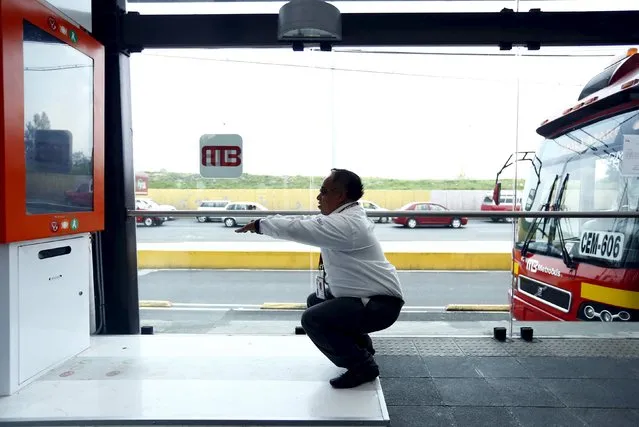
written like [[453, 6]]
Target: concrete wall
[[292, 199], [279, 199], [459, 199]]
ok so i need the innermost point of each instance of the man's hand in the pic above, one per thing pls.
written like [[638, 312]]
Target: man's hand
[[250, 227]]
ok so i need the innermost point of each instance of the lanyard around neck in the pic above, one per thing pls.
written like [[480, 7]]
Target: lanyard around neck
[[341, 209], [344, 207]]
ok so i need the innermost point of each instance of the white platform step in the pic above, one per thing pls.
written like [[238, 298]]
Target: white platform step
[[196, 380]]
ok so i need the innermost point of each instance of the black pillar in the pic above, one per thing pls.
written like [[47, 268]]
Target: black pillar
[[119, 251]]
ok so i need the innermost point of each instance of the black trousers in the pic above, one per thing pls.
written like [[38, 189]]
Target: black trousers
[[339, 327]]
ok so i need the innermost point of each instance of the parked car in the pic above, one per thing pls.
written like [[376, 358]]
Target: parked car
[[232, 221], [374, 207], [157, 207], [81, 196], [149, 221], [412, 222], [505, 204], [217, 206]]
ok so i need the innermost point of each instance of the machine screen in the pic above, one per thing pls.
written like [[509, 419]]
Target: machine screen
[[58, 123]]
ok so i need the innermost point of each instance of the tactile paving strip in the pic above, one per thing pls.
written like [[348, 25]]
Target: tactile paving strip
[[562, 347], [395, 346], [438, 347], [577, 347], [482, 347]]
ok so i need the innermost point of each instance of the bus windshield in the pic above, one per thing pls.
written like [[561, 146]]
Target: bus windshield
[[585, 166]]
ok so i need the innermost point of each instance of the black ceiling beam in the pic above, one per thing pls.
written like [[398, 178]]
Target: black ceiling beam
[[532, 29], [269, 1]]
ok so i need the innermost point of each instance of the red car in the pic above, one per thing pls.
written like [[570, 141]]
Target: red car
[[412, 222], [505, 204], [81, 196], [149, 221]]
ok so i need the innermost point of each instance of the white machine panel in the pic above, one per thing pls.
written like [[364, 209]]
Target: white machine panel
[[45, 303], [53, 299]]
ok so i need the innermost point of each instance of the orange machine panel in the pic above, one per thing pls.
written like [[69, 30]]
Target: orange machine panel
[[52, 125]]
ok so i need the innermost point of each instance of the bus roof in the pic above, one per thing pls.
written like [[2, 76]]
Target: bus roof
[[609, 89]]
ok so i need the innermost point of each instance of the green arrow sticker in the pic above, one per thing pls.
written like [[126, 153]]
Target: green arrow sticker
[[73, 36], [75, 224]]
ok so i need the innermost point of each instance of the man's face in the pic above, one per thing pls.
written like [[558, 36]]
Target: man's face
[[330, 197]]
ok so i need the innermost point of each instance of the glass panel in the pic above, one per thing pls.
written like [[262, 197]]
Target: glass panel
[[417, 126], [281, 109], [58, 134], [396, 119]]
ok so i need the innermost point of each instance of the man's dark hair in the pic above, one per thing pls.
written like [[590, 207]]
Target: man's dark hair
[[350, 182]]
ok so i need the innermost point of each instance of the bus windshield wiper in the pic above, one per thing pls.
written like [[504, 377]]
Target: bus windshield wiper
[[533, 226], [562, 242]]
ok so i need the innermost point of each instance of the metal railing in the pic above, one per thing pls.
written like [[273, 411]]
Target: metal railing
[[392, 214]]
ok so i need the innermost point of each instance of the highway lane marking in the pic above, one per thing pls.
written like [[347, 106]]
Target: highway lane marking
[[202, 305], [478, 307]]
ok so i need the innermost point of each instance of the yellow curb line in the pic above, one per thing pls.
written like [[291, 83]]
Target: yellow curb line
[[283, 306], [478, 307], [152, 303], [289, 260]]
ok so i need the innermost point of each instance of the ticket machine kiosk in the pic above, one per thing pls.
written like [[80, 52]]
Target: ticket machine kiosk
[[51, 187]]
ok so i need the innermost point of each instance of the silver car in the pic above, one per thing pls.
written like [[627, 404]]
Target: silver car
[[374, 207], [212, 206], [232, 221]]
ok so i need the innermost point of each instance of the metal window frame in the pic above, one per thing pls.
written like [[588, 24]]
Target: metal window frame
[[505, 29], [403, 214]]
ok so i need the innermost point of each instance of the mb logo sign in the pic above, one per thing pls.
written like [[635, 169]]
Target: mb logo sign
[[221, 156]]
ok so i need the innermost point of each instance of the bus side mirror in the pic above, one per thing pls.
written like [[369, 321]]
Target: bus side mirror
[[497, 193]]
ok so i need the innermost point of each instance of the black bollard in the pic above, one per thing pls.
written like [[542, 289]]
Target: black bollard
[[499, 333], [526, 333]]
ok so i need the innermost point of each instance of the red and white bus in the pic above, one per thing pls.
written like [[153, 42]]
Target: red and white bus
[[584, 268]]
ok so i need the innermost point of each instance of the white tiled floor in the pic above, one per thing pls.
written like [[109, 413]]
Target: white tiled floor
[[189, 378]]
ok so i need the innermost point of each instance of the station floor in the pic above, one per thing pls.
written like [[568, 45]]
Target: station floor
[[568, 376]]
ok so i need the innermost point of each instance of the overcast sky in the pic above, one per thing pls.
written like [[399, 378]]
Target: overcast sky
[[392, 115]]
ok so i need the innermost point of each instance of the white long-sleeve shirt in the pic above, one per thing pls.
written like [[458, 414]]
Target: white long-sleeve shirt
[[353, 259]]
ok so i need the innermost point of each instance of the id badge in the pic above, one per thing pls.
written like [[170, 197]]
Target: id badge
[[320, 287]]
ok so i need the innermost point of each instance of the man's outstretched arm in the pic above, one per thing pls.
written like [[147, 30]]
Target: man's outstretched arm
[[322, 231]]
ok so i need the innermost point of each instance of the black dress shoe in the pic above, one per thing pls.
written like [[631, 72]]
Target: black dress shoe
[[351, 378]]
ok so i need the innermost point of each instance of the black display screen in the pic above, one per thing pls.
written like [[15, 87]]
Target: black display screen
[[58, 123]]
